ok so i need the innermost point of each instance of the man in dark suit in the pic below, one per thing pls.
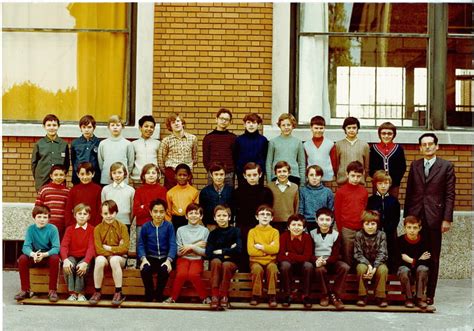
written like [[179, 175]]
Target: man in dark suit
[[430, 197]]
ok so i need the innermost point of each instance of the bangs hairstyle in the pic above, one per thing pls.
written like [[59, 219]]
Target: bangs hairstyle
[[147, 167], [223, 207], [355, 166], [158, 202], [170, 119], [317, 120], [263, 208], [118, 165], [387, 126], [115, 119], [41, 209], [325, 211], [86, 120], [289, 117], [146, 118], [252, 117], [282, 164], [52, 118], [81, 206], [411, 220], [224, 111], [318, 169], [381, 176], [371, 216], [111, 206], [296, 218], [57, 167], [350, 121], [217, 166], [252, 166], [87, 166], [194, 206]]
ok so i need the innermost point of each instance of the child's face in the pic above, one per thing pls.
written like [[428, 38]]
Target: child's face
[[382, 187], [115, 129], [82, 216], [85, 176], [222, 218], [324, 223], [264, 217], [107, 216], [286, 127], [412, 230], [158, 213], [194, 217], [282, 174], [386, 136], [218, 177], [51, 128], [251, 126], [87, 130], [177, 125], [313, 178], [151, 176], [351, 131], [318, 130], [296, 228], [354, 178], [370, 227], [252, 176], [182, 177], [223, 121], [147, 129], [41, 220], [57, 176], [118, 175]]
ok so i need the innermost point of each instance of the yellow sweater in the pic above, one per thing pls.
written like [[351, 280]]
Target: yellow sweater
[[269, 238]]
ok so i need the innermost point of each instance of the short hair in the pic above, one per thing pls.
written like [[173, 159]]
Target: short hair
[[146, 118], [41, 209], [252, 166], [282, 164], [194, 206], [87, 119], [117, 165], [147, 167], [87, 166], [411, 219], [355, 166], [317, 120], [381, 176], [224, 111], [158, 202], [52, 118], [264, 207], [185, 167], [57, 167], [111, 206], [252, 117], [428, 134], [296, 218], [287, 116], [387, 126], [223, 207], [318, 169], [171, 118], [115, 119], [325, 211], [216, 166], [350, 121], [81, 206], [371, 216]]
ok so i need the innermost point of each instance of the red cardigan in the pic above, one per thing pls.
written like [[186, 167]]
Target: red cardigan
[[141, 201], [78, 243], [299, 251]]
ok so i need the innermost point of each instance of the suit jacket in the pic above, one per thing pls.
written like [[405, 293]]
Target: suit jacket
[[431, 199]]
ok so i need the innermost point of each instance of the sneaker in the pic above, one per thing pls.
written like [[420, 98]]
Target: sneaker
[[81, 298], [382, 302], [169, 300], [22, 295], [286, 301], [307, 302], [72, 297], [53, 296], [409, 303], [272, 302], [225, 302], [362, 301], [214, 302], [206, 301], [254, 300], [95, 298], [117, 299], [324, 301], [421, 304], [336, 302]]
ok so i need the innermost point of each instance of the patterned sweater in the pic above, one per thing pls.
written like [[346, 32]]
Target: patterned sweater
[[370, 249]]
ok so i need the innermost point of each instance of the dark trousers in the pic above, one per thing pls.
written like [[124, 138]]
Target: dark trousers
[[221, 274], [406, 279], [286, 276], [340, 269], [25, 263], [244, 255], [178, 221], [435, 238], [147, 277]]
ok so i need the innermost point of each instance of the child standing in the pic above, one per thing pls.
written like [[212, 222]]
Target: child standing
[[156, 250], [121, 193], [49, 150], [285, 196], [296, 251], [314, 196], [111, 242], [55, 195], [179, 147], [348, 219], [41, 248], [85, 149], [77, 252], [288, 148], [115, 149], [191, 240], [327, 245], [146, 148], [263, 245], [370, 252]]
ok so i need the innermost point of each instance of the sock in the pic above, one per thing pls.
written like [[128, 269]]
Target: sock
[[98, 289], [118, 289]]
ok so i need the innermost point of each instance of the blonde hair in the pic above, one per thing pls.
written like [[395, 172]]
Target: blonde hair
[[81, 206], [115, 119], [381, 176], [289, 117]]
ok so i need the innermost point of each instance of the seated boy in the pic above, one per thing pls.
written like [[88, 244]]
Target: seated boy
[[414, 259], [263, 245], [370, 252], [41, 248], [327, 245], [296, 251]]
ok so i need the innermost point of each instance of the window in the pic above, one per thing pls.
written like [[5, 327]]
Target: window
[[66, 58]]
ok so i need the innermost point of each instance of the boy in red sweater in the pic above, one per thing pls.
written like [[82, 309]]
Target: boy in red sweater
[[77, 251], [349, 203]]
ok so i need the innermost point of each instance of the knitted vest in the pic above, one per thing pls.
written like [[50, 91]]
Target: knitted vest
[[320, 156], [323, 247]]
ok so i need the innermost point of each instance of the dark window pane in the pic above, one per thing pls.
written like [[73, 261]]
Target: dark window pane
[[460, 18]]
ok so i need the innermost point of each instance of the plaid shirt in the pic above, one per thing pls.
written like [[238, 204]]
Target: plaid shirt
[[175, 150]]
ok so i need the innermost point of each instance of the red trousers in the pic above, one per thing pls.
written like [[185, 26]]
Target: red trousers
[[191, 270], [25, 263]]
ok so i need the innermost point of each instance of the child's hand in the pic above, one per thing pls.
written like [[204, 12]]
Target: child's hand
[[185, 250], [39, 257], [144, 262], [407, 259], [217, 251], [258, 246], [67, 267], [167, 263], [201, 244], [107, 247], [81, 269], [425, 256], [234, 245]]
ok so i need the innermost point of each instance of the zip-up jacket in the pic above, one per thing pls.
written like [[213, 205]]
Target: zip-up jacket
[[157, 241]]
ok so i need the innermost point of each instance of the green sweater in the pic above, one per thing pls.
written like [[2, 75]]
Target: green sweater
[[45, 239], [289, 149]]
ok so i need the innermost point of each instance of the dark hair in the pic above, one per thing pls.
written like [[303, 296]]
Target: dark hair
[[387, 126], [355, 166], [318, 169], [412, 220], [171, 118], [350, 121], [296, 218], [185, 167], [41, 209], [147, 167], [194, 206], [117, 165], [252, 117], [216, 166], [252, 166], [264, 207], [223, 111], [371, 216], [57, 167], [317, 120], [428, 134], [223, 207], [111, 206], [282, 164], [158, 202], [324, 211], [87, 119], [51, 117], [87, 166], [146, 118]]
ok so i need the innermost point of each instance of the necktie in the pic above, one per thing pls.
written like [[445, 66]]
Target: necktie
[[427, 168]]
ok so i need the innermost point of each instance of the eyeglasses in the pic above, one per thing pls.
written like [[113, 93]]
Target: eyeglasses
[[224, 119]]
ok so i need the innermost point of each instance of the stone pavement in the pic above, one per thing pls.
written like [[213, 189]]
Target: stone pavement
[[453, 303]]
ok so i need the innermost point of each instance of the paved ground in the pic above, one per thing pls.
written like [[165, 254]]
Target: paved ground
[[453, 303]]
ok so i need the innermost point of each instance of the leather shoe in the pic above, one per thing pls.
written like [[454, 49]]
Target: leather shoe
[[409, 303], [225, 302], [254, 300], [324, 301], [336, 302], [215, 302], [362, 301], [429, 301], [272, 303], [22, 295], [307, 302], [421, 304]]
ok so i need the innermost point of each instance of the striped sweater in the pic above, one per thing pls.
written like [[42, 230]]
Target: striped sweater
[[54, 196]]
